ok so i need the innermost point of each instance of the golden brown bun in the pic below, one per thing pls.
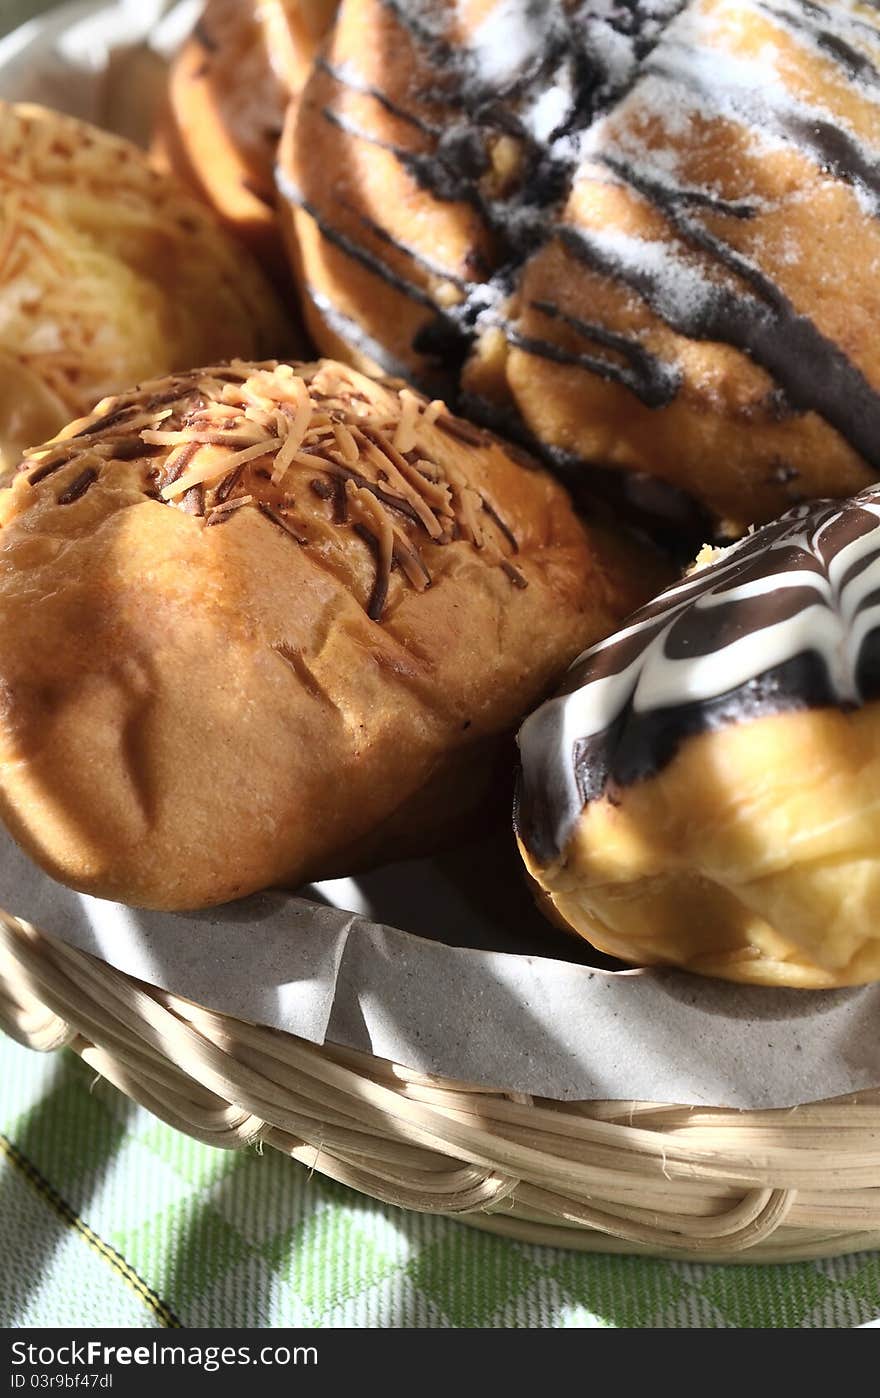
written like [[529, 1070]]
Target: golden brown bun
[[703, 790], [228, 90], [753, 856], [374, 248], [213, 681], [679, 280], [109, 274]]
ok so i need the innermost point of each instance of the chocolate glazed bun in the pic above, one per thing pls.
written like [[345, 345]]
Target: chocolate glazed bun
[[651, 231], [440, 136], [704, 791], [261, 623], [228, 90]]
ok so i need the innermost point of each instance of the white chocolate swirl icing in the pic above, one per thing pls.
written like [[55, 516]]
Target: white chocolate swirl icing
[[787, 618]]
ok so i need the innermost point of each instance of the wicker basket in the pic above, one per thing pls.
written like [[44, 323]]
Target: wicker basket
[[626, 1177]]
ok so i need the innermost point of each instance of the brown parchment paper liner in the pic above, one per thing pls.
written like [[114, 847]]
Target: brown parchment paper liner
[[522, 1021]]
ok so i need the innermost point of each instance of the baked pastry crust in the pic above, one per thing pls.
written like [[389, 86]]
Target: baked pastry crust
[[260, 623], [704, 791], [383, 232], [109, 274], [662, 264], [753, 857], [228, 90]]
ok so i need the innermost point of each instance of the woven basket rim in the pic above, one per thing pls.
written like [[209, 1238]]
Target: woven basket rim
[[707, 1184], [541, 1025]]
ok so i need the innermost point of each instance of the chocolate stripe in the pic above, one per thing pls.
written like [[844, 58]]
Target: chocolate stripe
[[429, 170], [772, 109], [853, 62], [788, 618], [813, 370], [651, 379], [427, 264], [347, 79], [355, 334], [351, 247]]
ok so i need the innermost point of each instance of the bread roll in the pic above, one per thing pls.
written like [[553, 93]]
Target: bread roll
[[228, 90], [108, 274], [704, 791], [261, 623], [649, 233]]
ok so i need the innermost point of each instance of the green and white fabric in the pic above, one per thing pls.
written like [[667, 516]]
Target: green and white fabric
[[108, 1217]]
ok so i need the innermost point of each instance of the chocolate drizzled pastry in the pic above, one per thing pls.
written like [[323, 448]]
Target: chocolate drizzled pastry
[[264, 622], [644, 237], [715, 764], [472, 122]]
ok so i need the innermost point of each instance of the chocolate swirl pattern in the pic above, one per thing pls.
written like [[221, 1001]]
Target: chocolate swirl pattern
[[644, 237], [788, 618]]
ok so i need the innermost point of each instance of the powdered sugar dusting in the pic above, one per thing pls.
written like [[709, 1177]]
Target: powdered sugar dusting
[[681, 291], [631, 92], [513, 36]]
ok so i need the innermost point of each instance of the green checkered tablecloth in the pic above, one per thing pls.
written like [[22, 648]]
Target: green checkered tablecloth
[[107, 1217]]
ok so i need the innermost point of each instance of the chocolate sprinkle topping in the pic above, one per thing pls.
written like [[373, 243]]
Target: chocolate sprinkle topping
[[279, 519], [229, 437], [227, 485], [505, 528], [379, 594], [193, 502], [46, 470], [516, 577], [79, 486]]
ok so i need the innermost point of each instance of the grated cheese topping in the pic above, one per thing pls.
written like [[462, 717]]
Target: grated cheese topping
[[81, 213], [241, 436]]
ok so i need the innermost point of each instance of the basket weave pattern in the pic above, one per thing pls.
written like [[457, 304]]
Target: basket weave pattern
[[703, 1183]]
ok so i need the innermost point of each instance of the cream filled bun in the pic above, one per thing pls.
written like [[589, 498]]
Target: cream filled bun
[[705, 790]]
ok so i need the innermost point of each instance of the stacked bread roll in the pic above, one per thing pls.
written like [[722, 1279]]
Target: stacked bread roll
[[260, 623], [109, 274]]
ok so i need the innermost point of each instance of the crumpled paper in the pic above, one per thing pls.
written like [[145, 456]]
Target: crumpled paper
[[519, 1020]]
